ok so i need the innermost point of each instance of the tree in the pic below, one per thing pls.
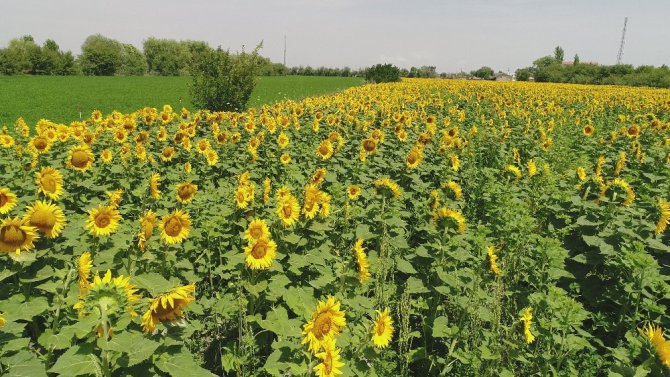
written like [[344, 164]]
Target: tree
[[101, 56], [559, 54], [484, 73], [523, 74], [575, 60], [222, 81], [382, 73], [133, 61]]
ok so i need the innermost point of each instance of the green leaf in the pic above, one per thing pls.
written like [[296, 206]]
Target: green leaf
[[278, 322], [17, 309], [300, 300], [23, 364], [137, 346], [404, 266], [181, 365], [50, 340], [153, 282], [441, 327], [77, 361], [415, 285]]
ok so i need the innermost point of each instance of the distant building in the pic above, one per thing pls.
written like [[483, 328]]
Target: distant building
[[501, 76]]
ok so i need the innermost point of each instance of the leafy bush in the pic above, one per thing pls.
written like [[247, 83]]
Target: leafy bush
[[223, 81], [382, 73]]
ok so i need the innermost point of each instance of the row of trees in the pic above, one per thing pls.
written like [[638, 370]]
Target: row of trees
[[555, 69], [24, 56]]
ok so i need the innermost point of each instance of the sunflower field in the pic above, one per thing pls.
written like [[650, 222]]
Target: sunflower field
[[420, 228]]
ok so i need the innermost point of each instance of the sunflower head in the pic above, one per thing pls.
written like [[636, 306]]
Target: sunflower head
[[7, 200], [330, 360], [46, 217], [154, 185], [288, 209], [80, 158], [16, 235], [147, 224], [175, 227], [327, 321], [168, 306], [256, 230], [103, 220], [260, 253], [382, 329], [353, 192], [50, 182], [186, 191], [114, 294], [85, 264]]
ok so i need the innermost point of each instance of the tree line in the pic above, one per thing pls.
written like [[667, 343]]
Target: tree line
[[103, 56], [553, 68]]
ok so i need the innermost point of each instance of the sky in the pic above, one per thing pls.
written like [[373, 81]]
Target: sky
[[451, 35]]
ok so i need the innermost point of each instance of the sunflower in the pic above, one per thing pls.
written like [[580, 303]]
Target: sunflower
[[188, 167], [147, 224], [242, 197], [514, 170], [527, 320], [662, 346], [115, 197], [80, 158], [414, 157], [267, 189], [260, 253], [16, 235], [120, 135], [382, 329], [362, 262], [493, 260], [623, 185], [318, 177], [325, 149], [330, 360], [186, 191], [581, 174], [664, 219], [175, 227], [256, 230], [353, 192], [167, 154], [7, 200], [532, 168], [454, 216], [620, 163], [327, 321], [387, 184], [106, 156], [212, 157], [285, 158], [282, 140], [202, 146], [369, 146], [311, 201], [588, 130], [168, 306], [85, 264], [114, 294], [47, 218], [633, 131], [103, 220], [50, 182], [455, 162], [288, 210], [40, 144], [154, 185], [455, 188]]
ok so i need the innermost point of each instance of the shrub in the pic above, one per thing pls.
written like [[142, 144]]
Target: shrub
[[382, 73], [222, 81]]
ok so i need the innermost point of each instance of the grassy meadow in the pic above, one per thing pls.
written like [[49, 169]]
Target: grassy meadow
[[60, 99]]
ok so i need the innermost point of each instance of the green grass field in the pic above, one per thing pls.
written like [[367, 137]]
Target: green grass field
[[60, 99]]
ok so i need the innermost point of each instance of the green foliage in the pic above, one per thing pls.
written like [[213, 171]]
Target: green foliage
[[559, 54], [382, 73], [523, 74], [483, 73], [101, 56], [222, 81], [167, 57], [24, 56]]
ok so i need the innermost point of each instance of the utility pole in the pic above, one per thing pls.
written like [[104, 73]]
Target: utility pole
[[284, 50], [623, 39]]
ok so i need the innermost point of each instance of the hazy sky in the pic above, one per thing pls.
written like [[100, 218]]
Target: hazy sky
[[452, 35]]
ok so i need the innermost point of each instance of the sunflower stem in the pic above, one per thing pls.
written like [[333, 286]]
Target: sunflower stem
[[104, 356]]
